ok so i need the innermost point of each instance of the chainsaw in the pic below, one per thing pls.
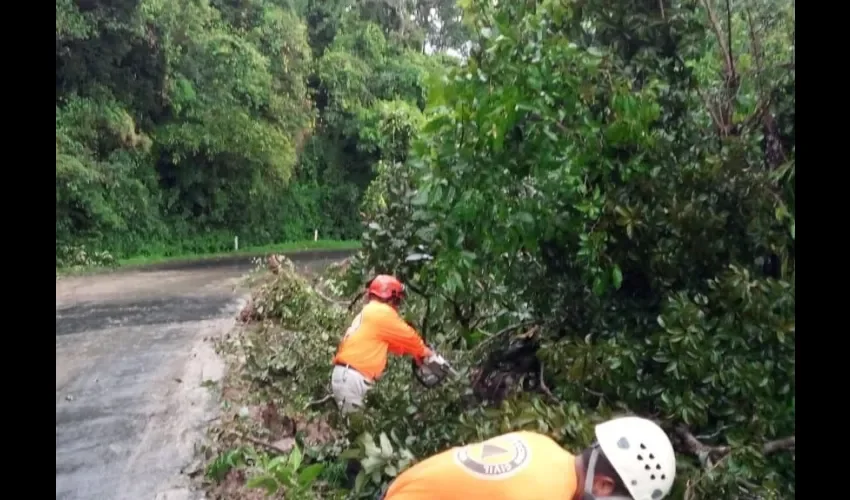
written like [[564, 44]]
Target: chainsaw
[[433, 370]]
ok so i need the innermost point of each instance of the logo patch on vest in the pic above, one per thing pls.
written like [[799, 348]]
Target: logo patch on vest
[[497, 458]]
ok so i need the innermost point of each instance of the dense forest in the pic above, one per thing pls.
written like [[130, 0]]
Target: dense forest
[[182, 124]]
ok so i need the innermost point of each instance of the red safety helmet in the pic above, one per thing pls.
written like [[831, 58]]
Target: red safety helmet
[[386, 287]]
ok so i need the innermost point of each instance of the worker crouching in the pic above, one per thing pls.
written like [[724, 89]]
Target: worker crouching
[[631, 459], [377, 330]]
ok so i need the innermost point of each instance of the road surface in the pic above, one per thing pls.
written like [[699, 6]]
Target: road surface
[[132, 353]]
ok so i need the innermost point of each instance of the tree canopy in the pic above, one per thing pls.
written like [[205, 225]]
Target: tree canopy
[[180, 125]]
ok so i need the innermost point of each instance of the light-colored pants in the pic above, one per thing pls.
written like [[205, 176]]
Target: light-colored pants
[[349, 388]]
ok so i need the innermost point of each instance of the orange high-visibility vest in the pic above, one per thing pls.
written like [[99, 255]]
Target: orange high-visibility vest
[[515, 466], [378, 329]]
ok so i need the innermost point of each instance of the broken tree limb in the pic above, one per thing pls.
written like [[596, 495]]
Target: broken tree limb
[[502, 332], [788, 443], [721, 454], [338, 303], [259, 442], [690, 488], [544, 388], [355, 300], [319, 401], [697, 447]]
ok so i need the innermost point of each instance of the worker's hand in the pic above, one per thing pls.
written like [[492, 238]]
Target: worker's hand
[[419, 360], [428, 354], [435, 359]]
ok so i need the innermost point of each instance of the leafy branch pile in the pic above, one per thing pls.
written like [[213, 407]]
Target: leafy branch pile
[[598, 218], [78, 257], [278, 401], [291, 342], [279, 359]]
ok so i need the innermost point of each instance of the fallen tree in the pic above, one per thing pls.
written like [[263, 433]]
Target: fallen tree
[[283, 369]]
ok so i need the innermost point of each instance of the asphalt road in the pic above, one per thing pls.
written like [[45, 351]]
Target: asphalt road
[[132, 354]]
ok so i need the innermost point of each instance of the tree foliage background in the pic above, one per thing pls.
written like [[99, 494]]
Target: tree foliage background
[[610, 187], [182, 124]]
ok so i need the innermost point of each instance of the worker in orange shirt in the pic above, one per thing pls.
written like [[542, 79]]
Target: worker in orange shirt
[[631, 459], [362, 355]]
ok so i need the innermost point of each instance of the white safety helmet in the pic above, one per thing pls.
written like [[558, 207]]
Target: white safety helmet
[[641, 454]]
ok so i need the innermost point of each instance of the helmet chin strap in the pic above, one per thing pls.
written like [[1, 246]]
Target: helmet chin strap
[[590, 475]]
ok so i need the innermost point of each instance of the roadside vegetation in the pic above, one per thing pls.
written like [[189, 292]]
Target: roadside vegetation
[[596, 210], [79, 261], [180, 125]]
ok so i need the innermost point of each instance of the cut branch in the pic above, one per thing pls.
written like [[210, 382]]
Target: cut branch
[[696, 447], [721, 454], [544, 388], [338, 303], [260, 442], [788, 443], [355, 299], [503, 331], [319, 401]]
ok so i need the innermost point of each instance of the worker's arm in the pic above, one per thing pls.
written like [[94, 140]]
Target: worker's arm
[[401, 337]]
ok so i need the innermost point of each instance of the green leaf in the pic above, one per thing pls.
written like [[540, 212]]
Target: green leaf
[[350, 453], [598, 286], [372, 463], [525, 217], [594, 51], [277, 462], [420, 199], [263, 481], [436, 123], [386, 446], [617, 277], [284, 474], [454, 282], [295, 458], [360, 481], [310, 473], [369, 445]]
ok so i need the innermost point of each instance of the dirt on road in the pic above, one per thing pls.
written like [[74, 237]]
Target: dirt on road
[[133, 356]]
